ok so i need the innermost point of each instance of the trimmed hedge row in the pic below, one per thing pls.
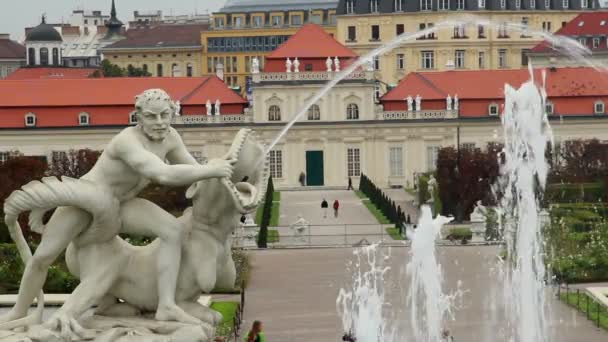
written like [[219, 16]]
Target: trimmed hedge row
[[266, 215], [385, 204], [572, 193]]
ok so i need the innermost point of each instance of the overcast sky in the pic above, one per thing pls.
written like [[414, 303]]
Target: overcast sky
[[18, 14]]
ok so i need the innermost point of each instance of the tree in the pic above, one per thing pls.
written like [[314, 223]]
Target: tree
[[74, 163], [112, 70]]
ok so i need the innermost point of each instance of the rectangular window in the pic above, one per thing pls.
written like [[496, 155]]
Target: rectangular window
[[428, 59], [547, 26], [398, 6], [547, 4], [209, 65], [584, 4], [444, 4], [459, 31], [375, 33], [400, 28], [353, 162], [524, 57], [502, 31], [350, 6], [400, 61], [426, 5], [277, 20], [352, 34], [596, 43], [3, 157], [395, 161], [431, 157], [219, 22], [583, 41], [503, 4], [421, 26], [296, 20], [565, 4], [376, 62], [459, 59], [502, 58], [481, 60], [228, 65], [468, 146], [517, 4], [482, 4], [459, 4], [432, 34], [481, 31], [234, 65], [238, 22], [257, 21], [316, 19], [247, 64], [276, 164], [373, 6], [532, 4], [525, 21]]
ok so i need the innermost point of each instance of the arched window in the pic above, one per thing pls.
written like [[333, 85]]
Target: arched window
[[44, 56], [30, 120], [175, 70], [352, 112], [159, 70], [189, 70], [493, 109], [55, 56], [274, 113], [83, 119], [314, 113], [31, 56], [599, 107]]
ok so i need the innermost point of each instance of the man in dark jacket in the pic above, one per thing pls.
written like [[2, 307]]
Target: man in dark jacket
[[324, 207]]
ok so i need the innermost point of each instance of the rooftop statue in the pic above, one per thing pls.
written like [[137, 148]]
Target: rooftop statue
[[123, 280]]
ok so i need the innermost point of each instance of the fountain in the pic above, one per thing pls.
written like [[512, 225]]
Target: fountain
[[524, 173]]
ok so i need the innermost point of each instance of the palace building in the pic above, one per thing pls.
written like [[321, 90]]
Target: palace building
[[344, 133], [364, 25], [247, 29], [12, 55]]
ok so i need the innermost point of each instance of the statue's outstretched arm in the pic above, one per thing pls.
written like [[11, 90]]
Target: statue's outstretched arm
[[153, 168]]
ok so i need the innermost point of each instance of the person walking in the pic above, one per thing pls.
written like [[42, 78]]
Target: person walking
[[350, 184], [255, 334], [324, 206], [336, 207]]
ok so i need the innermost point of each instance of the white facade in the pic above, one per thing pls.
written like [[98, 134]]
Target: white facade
[[35, 51], [88, 19]]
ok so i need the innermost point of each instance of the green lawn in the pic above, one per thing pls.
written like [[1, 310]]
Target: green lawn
[[274, 212], [394, 233], [273, 236], [580, 301], [375, 211], [229, 312]]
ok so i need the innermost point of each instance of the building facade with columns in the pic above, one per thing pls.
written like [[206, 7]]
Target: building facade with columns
[[364, 25]]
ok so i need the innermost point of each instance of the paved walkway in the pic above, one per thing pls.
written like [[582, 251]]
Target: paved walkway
[[405, 200], [294, 293], [353, 224]]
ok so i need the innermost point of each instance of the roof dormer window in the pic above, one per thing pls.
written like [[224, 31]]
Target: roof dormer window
[[599, 107], [83, 119], [30, 120]]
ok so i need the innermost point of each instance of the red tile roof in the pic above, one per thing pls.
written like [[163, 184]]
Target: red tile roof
[[161, 36], [50, 73], [112, 91], [311, 41], [10, 49], [586, 24], [489, 84]]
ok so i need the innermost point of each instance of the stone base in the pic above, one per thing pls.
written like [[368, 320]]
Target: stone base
[[118, 329]]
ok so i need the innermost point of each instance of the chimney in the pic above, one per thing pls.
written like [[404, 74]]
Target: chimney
[[219, 71]]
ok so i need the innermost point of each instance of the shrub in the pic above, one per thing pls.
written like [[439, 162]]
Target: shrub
[[462, 234]]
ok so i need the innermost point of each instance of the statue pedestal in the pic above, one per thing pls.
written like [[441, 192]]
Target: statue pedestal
[[478, 228]]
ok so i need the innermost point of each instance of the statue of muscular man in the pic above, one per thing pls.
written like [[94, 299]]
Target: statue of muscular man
[[133, 158]]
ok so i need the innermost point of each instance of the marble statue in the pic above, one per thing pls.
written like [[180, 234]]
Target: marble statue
[[217, 107], [92, 211], [288, 65], [209, 108], [479, 213], [418, 103], [328, 63], [337, 64], [255, 65], [296, 65], [456, 104], [410, 103], [448, 102], [299, 228], [432, 183]]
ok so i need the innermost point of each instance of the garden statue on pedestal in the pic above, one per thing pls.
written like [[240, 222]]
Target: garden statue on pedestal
[[123, 280], [478, 219]]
